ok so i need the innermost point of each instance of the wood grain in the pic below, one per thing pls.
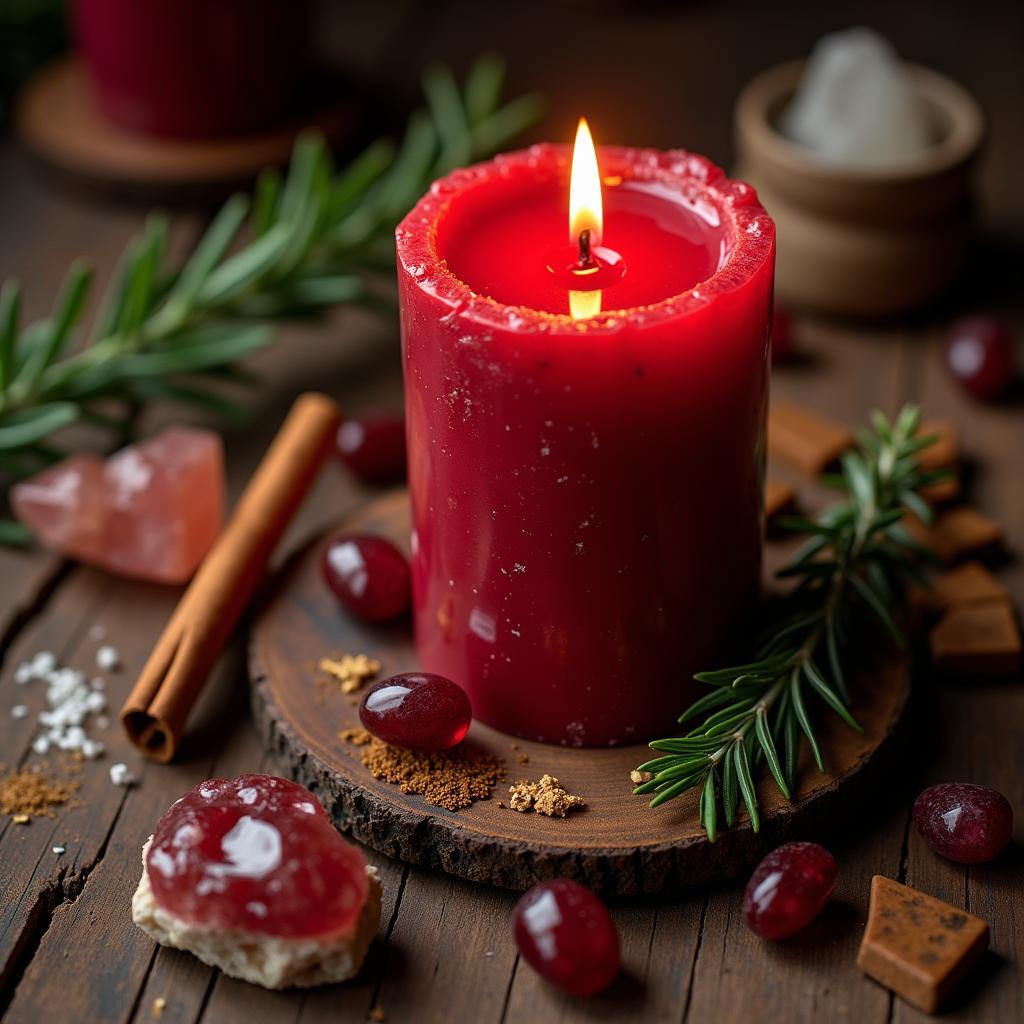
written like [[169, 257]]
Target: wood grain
[[688, 957], [618, 846], [58, 120]]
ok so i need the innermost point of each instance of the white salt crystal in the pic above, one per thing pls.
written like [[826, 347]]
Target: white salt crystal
[[102, 722], [95, 701], [41, 744], [855, 103], [58, 850], [23, 673], [107, 658], [42, 664], [19, 711], [91, 749], [120, 775]]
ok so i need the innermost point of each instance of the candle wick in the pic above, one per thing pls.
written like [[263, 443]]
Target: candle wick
[[585, 259]]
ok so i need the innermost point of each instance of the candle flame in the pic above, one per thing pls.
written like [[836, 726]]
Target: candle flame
[[583, 305], [585, 209]]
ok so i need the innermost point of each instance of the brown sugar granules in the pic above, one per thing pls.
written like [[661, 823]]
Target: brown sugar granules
[[545, 797], [32, 794], [357, 737], [351, 670], [451, 779]]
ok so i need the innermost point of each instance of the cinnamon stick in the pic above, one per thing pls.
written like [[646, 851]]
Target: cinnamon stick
[[156, 710]]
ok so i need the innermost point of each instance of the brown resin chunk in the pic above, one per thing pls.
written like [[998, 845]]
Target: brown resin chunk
[[977, 638], [960, 532], [917, 945], [806, 440], [778, 497], [351, 670], [545, 797], [970, 583]]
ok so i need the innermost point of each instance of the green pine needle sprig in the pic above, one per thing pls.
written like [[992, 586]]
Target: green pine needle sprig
[[305, 241], [851, 573]]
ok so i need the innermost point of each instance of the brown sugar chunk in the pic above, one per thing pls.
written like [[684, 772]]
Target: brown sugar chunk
[[958, 533], [977, 638], [944, 453], [917, 945], [970, 583], [778, 497], [805, 440]]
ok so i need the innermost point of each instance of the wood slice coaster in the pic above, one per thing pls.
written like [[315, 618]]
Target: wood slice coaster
[[58, 120], [617, 845]]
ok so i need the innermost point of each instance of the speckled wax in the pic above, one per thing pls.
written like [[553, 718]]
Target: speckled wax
[[586, 494]]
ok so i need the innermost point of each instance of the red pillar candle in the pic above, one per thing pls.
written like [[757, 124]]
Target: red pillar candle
[[586, 489]]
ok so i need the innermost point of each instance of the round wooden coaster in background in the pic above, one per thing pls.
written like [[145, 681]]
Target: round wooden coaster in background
[[617, 845], [59, 122]]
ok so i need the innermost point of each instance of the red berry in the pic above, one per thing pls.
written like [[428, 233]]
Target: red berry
[[255, 853], [373, 447], [979, 354], [368, 575], [565, 933], [417, 710], [788, 889], [966, 823], [783, 345]]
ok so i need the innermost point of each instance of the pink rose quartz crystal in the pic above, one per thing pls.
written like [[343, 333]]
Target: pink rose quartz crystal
[[150, 512]]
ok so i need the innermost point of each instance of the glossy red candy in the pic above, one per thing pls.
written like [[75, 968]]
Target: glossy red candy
[[565, 933], [368, 575], [964, 822], [417, 710], [373, 447], [788, 889], [979, 354], [257, 853], [783, 345]]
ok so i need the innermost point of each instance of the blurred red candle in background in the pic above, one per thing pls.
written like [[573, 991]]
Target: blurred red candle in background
[[194, 68], [585, 416]]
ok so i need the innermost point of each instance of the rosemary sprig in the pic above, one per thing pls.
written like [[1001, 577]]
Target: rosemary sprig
[[851, 572], [314, 239]]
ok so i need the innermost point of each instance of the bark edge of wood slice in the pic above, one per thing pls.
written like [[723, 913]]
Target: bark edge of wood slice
[[617, 845]]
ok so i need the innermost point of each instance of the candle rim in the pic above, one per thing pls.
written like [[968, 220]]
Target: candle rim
[[700, 179]]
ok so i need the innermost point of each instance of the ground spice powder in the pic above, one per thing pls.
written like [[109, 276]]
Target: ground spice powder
[[451, 779], [32, 794]]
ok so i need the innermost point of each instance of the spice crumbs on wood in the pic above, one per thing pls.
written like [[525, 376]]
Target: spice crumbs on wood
[[31, 793], [357, 737], [451, 779], [545, 797], [351, 670]]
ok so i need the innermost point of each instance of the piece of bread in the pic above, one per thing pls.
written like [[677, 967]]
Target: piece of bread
[[265, 960]]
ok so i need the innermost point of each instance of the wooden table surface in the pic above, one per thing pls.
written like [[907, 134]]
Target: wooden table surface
[[666, 75]]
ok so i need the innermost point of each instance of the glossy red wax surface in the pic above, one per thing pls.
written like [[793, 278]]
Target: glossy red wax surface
[[503, 247], [417, 710], [788, 889], [565, 933], [368, 575], [964, 822], [255, 853], [586, 494]]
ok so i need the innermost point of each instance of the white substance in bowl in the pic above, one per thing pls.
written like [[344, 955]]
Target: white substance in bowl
[[855, 103]]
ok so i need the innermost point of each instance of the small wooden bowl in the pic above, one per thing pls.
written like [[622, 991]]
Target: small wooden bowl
[[863, 241]]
